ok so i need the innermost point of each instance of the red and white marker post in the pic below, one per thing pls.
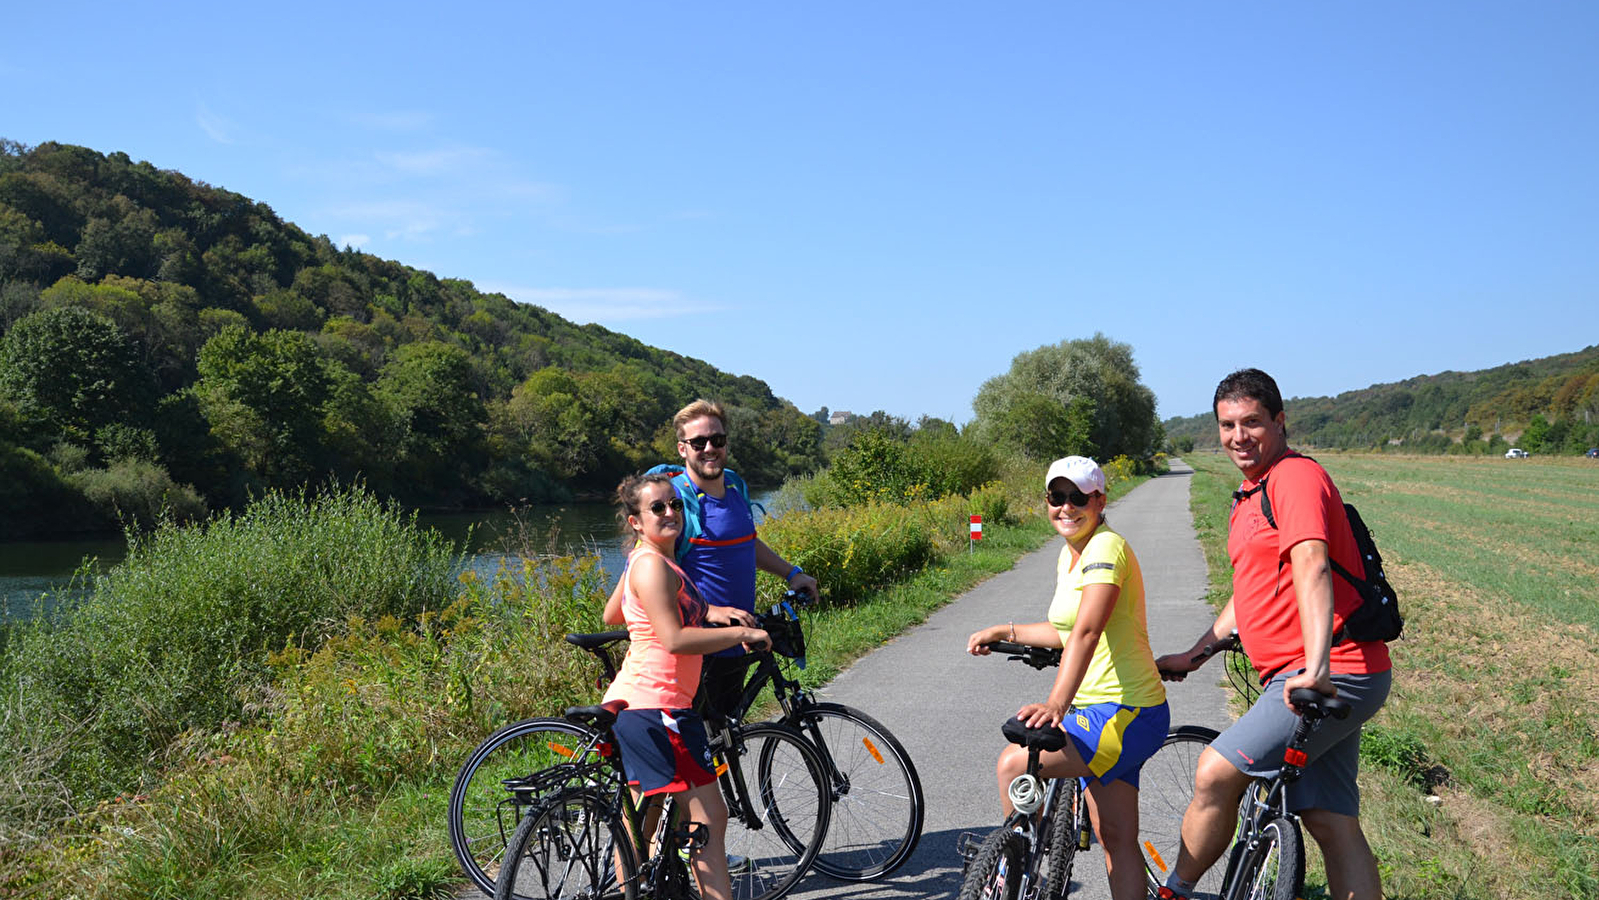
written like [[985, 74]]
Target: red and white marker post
[[977, 533]]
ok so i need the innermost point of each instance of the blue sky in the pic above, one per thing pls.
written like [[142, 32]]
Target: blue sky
[[877, 205]]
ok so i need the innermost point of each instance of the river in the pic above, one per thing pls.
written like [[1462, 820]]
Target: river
[[35, 573]]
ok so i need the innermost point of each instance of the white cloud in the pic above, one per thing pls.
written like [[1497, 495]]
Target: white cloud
[[407, 219], [219, 129], [354, 240], [607, 305]]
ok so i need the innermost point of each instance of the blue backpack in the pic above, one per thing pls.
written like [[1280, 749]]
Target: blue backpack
[[694, 513]]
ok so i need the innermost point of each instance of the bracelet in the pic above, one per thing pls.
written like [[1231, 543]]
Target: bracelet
[[792, 572], [1013, 632]]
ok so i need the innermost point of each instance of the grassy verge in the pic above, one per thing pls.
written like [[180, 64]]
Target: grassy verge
[[1481, 776], [334, 779]]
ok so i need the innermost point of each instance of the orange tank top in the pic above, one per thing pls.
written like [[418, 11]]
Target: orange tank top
[[653, 677]]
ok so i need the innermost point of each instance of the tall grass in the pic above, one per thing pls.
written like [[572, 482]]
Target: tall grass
[[176, 640]]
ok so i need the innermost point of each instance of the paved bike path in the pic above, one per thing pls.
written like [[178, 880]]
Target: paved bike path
[[946, 707]]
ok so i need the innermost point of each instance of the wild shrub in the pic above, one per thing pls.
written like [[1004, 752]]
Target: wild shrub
[[176, 639], [855, 550], [137, 493]]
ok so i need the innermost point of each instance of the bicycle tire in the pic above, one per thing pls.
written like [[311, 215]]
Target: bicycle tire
[[570, 846], [1166, 785], [1274, 868], [482, 812], [996, 870], [1061, 850], [784, 780], [878, 806]]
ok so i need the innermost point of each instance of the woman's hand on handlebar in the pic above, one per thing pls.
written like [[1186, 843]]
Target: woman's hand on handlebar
[[728, 615], [1041, 715], [755, 640], [977, 644]]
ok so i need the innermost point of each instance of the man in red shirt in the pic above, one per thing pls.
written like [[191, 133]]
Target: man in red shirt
[[1286, 607]]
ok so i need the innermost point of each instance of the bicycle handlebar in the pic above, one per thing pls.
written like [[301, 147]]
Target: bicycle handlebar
[[1037, 657]]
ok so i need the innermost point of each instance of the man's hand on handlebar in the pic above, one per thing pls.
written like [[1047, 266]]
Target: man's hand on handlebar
[[1176, 666], [757, 640], [728, 615]]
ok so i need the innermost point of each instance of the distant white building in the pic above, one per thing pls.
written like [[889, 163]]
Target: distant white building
[[840, 417]]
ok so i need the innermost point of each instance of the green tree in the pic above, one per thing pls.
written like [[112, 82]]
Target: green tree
[[1097, 369], [75, 369], [262, 395], [438, 416]]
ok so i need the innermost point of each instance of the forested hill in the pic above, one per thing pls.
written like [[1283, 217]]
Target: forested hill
[[158, 333], [1548, 405]]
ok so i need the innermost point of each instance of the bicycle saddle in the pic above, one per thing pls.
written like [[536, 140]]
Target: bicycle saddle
[[1045, 739]]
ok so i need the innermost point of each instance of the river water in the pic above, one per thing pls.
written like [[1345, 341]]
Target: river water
[[35, 574]]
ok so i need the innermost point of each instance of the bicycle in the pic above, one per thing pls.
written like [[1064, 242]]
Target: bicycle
[[1267, 858], [582, 831], [775, 821], [1029, 857], [874, 790], [874, 796]]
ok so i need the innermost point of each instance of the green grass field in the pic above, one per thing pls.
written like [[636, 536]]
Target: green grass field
[[1480, 778]]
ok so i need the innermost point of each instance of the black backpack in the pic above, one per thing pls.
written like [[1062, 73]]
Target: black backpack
[[1378, 618]]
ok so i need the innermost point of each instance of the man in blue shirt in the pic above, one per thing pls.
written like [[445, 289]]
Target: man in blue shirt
[[720, 551]]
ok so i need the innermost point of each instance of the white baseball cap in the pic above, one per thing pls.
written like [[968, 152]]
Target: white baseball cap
[[1079, 470]]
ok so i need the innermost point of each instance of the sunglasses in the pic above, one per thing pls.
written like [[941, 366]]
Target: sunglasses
[[715, 440], [659, 506], [1061, 498]]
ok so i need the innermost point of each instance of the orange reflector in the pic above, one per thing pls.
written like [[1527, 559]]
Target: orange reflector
[[872, 749], [1155, 855], [560, 750]]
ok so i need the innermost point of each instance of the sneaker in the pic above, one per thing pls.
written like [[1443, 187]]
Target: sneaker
[[739, 865]]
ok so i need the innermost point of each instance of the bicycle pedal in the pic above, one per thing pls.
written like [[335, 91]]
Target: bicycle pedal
[[966, 844], [691, 836]]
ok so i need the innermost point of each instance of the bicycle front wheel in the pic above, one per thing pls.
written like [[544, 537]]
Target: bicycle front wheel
[[1068, 817], [1274, 868], [484, 810], [777, 810], [996, 870], [1165, 787], [877, 797], [571, 846]]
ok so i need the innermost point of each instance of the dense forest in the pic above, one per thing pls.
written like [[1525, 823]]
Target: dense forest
[[169, 344], [1548, 405]]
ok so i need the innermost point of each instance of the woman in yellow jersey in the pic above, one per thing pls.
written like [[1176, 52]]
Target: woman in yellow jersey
[[1108, 696], [664, 746]]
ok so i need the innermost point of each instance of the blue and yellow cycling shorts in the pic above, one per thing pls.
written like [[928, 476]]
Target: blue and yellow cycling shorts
[[1115, 740]]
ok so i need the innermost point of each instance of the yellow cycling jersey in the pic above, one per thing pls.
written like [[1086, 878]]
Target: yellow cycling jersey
[[1122, 669]]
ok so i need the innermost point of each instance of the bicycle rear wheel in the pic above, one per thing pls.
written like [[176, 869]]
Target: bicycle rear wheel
[[570, 846], [1070, 809], [996, 870], [1274, 869], [483, 811], [878, 807], [773, 840], [1165, 787]]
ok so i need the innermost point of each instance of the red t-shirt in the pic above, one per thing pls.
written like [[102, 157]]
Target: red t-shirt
[[1306, 506]]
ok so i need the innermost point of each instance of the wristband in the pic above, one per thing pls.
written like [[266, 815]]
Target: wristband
[[789, 578]]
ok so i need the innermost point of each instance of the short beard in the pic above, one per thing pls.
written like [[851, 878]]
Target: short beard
[[697, 468]]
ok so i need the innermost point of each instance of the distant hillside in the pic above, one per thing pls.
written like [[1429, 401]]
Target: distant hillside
[[157, 333], [1548, 405]]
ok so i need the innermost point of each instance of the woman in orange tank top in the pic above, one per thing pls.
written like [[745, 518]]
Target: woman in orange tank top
[[664, 747]]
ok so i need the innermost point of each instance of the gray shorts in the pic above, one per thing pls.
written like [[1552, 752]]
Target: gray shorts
[[1255, 743]]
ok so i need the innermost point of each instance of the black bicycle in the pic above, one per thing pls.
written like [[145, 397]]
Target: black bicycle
[[877, 807], [1030, 855], [872, 795], [1267, 858], [582, 835]]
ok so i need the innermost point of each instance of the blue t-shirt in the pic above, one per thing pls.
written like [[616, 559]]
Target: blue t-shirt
[[721, 562]]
